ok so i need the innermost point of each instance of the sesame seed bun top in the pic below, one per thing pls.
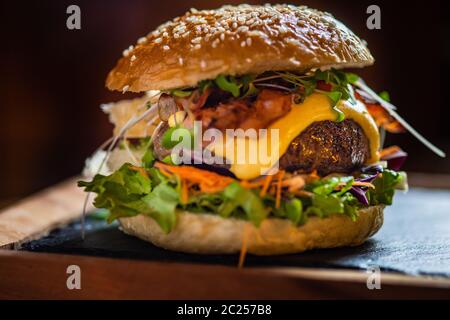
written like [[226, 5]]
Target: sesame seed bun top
[[236, 40]]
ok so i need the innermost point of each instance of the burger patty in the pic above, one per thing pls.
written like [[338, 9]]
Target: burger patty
[[327, 147]]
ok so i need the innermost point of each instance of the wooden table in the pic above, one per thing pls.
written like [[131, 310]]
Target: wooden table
[[43, 275]]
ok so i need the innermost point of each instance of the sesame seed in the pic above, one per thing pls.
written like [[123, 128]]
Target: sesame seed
[[180, 61], [242, 29], [292, 41], [196, 40], [282, 29], [125, 88], [222, 36], [243, 44], [203, 64], [254, 33], [158, 40], [142, 40], [197, 46], [249, 41], [166, 47], [127, 51], [133, 57]]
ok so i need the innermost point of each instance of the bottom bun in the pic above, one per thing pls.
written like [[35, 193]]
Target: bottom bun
[[211, 234]]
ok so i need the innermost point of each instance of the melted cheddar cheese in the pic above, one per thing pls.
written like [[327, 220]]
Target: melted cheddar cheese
[[316, 107]]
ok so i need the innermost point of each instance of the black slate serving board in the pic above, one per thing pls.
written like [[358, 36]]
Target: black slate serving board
[[414, 240]]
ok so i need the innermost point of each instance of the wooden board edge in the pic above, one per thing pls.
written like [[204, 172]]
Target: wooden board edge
[[26, 275], [39, 214]]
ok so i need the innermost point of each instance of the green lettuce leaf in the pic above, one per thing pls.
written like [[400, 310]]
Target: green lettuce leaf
[[294, 211], [228, 84], [327, 186], [120, 192], [148, 159], [327, 205], [326, 200], [236, 197], [127, 192], [385, 187], [204, 202], [161, 204]]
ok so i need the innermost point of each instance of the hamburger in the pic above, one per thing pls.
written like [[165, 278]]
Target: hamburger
[[249, 76]]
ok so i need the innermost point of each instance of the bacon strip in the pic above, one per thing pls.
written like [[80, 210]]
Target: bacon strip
[[382, 118], [239, 113]]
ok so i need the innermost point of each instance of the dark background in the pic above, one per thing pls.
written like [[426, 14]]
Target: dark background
[[52, 78]]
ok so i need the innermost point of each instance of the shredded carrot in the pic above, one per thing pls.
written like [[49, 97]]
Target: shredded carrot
[[165, 173], [279, 186], [184, 192], [313, 176], [207, 181], [250, 184], [363, 184], [266, 184], [243, 252], [357, 183], [388, 151], [140, 170], [210, 182]]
